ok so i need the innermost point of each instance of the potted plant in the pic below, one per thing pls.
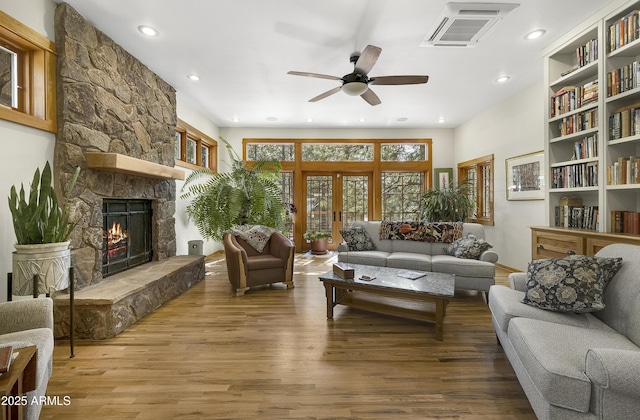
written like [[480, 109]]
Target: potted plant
[[42, 231], [450, 204], [318, 239], [248, 194]]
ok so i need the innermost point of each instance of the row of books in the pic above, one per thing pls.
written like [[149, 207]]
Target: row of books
[[624, 31], [586, 148], [575, 176], [570, 98], [625, 222], [588, 53], [626, 170], [580, 217], [579, 122], [624, 122], [623, 79]]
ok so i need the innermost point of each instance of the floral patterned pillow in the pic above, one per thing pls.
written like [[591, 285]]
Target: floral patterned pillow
[[572, 284], [357, 239], [469, 247]]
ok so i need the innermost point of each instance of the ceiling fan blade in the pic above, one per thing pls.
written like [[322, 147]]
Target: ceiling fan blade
[[371, 97], [367, 59], [327, 93], [398, 80], [317, 75]]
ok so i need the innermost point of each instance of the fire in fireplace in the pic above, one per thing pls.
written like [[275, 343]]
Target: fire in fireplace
[[126, 234]]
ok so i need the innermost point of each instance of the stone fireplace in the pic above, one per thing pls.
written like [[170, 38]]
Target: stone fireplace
[[116, 121]]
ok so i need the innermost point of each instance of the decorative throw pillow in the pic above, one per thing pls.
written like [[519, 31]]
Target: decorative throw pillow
[[255, 235], [572, 284], [469, 247], [421, 231], [357, 239]]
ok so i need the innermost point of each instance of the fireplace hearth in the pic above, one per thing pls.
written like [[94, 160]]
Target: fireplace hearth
[[126, 234]]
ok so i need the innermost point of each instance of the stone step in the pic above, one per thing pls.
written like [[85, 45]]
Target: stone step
[[108, 308]]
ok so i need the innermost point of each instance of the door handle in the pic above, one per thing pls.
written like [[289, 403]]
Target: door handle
[[334, 216], [341, 216]]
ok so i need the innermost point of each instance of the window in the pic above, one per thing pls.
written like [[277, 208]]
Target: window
[[479, 174], [403, 152], [27, 76], [337, 152], [401, 192], [262, 151], [194, 149]]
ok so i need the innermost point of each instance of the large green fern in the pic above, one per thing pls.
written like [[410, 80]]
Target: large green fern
[[248, 194], [38, 219]]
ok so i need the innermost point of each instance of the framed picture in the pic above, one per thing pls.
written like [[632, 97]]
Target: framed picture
[[525, 177], [442, 177]]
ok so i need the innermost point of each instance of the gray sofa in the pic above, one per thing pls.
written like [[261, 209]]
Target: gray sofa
[[576, 366], [25, 323], [470, 274]]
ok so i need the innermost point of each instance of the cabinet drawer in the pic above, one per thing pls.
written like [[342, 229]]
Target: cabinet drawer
[[552, 245]]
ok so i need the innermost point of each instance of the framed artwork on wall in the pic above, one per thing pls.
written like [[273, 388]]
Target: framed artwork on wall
[[442, 177], [525, 177]]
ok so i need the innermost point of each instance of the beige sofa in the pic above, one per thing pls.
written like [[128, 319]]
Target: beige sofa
[[471, 274], [25, 323], [576, 366]]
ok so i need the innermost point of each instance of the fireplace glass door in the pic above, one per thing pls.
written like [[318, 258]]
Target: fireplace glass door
[[126, 234]]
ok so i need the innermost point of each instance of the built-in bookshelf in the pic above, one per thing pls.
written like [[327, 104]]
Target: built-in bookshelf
[[592, 133]]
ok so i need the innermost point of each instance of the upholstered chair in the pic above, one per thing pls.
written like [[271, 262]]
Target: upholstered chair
[[248, 267]]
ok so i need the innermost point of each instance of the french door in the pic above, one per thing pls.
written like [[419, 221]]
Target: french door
[[334, 200]]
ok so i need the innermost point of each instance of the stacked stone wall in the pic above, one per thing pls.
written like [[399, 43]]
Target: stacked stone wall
[[108, 101]]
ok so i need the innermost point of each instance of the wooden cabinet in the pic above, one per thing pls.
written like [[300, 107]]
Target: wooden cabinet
[[552, 242]]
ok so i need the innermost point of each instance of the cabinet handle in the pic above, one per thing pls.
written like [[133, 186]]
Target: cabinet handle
[[540, 246], [571, 252]]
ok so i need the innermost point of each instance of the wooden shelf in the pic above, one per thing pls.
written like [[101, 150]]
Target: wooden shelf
[[115, 162]]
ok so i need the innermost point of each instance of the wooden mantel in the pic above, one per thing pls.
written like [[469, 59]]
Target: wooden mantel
[[115, 162]]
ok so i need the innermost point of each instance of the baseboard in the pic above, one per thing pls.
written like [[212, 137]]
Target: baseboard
[[507, 268]]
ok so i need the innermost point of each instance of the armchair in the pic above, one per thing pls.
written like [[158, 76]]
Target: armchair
[[25, 323], [247, 267]]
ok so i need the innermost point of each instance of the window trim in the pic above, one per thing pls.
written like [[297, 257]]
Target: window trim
[[478, 164], [202, 140], [36, 75]]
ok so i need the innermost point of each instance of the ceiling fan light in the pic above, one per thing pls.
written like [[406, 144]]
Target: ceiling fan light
[[355, 88]]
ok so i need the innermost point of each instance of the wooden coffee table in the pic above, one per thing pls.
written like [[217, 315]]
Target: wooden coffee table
[[20, 379], [431, 288]]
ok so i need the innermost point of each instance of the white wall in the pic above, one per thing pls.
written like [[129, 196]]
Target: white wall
[[23, 148], [185, 230], [511, 128]]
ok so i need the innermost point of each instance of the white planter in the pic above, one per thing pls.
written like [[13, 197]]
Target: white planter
[[50, 262]]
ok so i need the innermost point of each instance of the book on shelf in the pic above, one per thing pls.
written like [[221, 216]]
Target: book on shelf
[[623, 79], [625, 222], [626, 170], [587, 147], [578, 122], [624, 122], [575, 175], [624, 31], [570, 98], [578, 217], [587, 53]]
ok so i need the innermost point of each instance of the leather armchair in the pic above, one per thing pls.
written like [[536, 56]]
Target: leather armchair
[[247, 267]]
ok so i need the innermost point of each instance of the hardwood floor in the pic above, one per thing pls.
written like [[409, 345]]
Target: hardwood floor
[[272, 354]]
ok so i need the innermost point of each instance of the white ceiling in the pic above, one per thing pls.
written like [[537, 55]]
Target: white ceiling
[[242, 50]]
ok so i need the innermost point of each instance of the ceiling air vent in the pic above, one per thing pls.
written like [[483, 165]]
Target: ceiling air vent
[[464, 24]]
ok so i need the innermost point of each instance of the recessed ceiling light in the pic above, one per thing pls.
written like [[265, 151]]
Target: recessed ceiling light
[[309, 120], [535, 34], [272, 119], [363, 119], [502, 79], [441, 120], [402, 119], [194, 77], [148, 30], [235, 119]]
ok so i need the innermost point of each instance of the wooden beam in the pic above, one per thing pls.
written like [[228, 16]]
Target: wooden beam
[[115, 162]]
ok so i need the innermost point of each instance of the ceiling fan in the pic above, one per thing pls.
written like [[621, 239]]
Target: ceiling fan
[[357, 82]]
